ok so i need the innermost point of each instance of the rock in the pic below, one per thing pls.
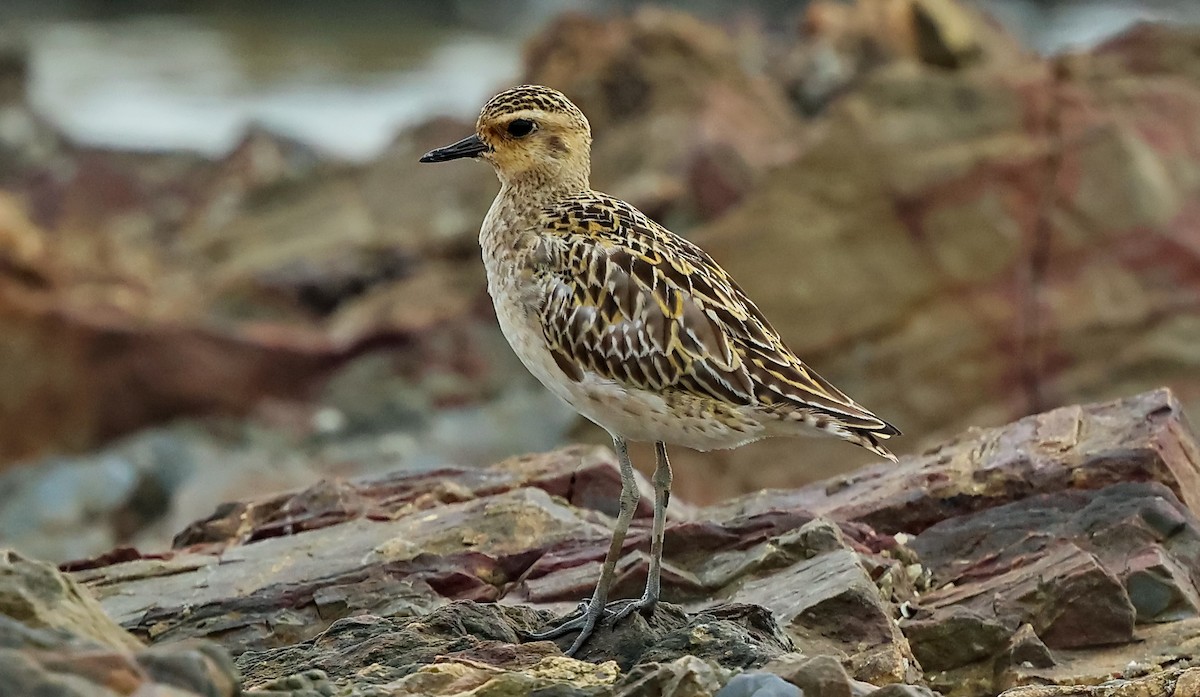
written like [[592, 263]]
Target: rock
[[821, 676], [1061, 571], [898, 690], [1188, 682], [955, 637], [39, 596], [1067, 595], [964, 179], [1160, 588], [730, 636], [759, 685], [830, 605], [410, 564], [479, 644], [1026, 649], [55, 639], [401, 646], [1139, 438], [686, 676], [585, 477], [1017, 587], [1165, 684], [40, 663], [1077, 574]]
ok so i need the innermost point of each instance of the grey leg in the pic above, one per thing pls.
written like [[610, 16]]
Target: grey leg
[[662, 497], [594, 609]]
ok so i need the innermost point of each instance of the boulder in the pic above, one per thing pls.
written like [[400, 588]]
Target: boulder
[[55, 639]]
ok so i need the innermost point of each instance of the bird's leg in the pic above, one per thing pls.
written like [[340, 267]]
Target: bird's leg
[[662, 497], [592, 610]]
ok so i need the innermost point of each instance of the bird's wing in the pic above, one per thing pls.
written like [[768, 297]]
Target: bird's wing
[[634, 303]]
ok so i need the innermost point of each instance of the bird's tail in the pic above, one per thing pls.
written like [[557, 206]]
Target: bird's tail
[[869, 439], [864, 428]]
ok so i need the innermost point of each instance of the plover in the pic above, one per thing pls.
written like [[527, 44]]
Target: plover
[[636, 328]]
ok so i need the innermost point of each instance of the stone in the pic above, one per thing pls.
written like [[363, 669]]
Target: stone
[[759, 685], [39, 596], [828, 604], [686, 676], [1082, 568], [54, 639], [1160, 588], [1154, 654], [821, 676], [1188, 683], [1026, 649], [1071, 600], [585, 477], [93, 671], [956, 637], [401, 569]]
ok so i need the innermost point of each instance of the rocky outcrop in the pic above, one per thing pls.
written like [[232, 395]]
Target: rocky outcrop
[[1058, 550]]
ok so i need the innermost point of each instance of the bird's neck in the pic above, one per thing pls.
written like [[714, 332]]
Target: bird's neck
[[539, 187]]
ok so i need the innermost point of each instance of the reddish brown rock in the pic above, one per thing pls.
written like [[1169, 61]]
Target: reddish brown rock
[[1044, 577], [1067, 595], [1142, 438], [585, 477], [1076, 571]]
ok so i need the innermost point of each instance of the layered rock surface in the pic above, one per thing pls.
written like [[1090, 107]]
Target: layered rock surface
[[1059, 550]]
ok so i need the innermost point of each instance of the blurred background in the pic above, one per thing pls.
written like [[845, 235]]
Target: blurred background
[[223, 272]]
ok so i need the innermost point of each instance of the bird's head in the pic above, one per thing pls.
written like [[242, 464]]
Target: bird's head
[[531, 135]]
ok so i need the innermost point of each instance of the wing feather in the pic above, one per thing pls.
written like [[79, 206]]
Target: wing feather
[[638, 305]]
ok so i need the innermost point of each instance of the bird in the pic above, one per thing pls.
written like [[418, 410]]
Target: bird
[[636, 328]]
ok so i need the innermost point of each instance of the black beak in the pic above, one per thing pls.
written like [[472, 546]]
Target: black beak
[[471, 146]]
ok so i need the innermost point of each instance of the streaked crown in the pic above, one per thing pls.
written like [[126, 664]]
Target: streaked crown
[[531, 98]]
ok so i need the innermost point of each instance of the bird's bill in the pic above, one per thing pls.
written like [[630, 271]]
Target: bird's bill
[[471, 146]]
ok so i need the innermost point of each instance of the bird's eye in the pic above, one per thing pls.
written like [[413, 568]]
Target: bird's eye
[[519, 128]]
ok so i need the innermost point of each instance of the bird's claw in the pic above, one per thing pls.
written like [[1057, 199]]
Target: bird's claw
[[585, 618]]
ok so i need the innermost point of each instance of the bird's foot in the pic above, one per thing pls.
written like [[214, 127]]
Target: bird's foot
[[620, 609], [587, 615]]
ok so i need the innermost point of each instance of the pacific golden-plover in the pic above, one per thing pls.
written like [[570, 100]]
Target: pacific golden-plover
[[636, 328]]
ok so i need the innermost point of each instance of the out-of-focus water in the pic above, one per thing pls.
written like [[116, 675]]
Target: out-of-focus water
[[346, 76]]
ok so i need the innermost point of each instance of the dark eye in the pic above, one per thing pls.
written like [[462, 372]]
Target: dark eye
[[519, 128]]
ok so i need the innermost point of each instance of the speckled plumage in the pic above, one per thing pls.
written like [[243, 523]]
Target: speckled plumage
[[635, 327], [639, 329]]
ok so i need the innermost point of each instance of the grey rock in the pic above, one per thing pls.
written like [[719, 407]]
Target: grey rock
[[759, 685]]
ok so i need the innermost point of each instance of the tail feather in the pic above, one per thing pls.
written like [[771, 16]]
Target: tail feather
[[868, 437], [863, 429], [870, 441]]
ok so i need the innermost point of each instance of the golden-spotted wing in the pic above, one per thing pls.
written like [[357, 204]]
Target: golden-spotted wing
[[633, 303]]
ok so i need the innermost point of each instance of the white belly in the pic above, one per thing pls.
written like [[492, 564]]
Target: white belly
[[633, 414]]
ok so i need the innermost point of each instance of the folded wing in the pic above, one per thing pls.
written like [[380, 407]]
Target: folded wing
[[633, 303]]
